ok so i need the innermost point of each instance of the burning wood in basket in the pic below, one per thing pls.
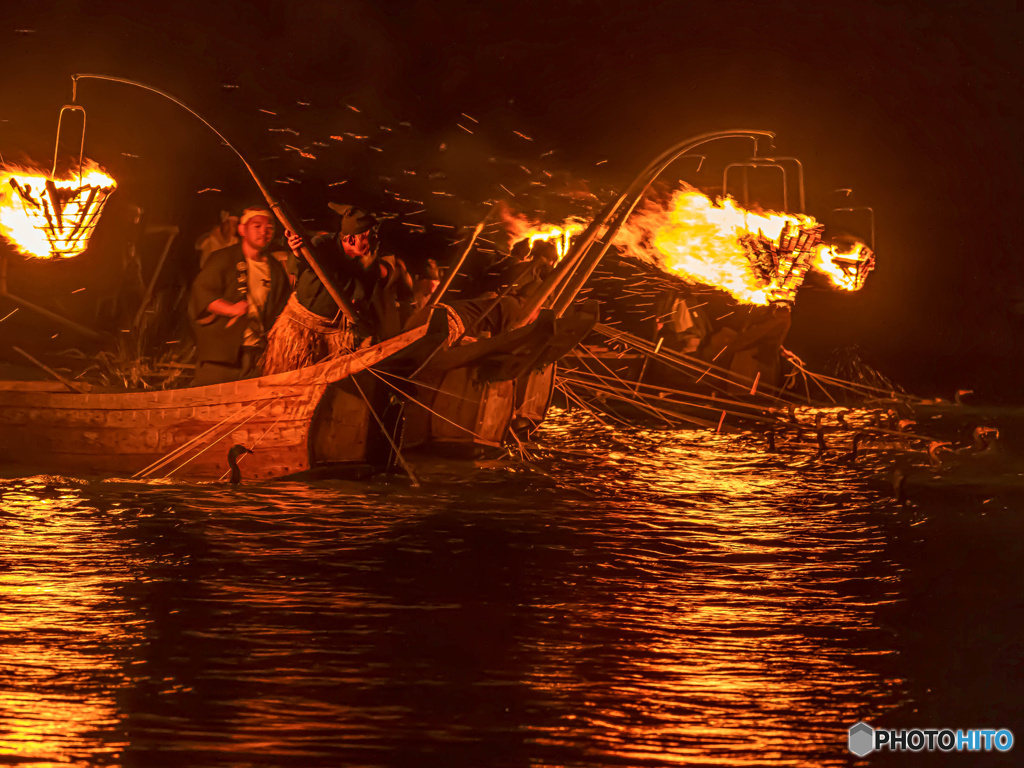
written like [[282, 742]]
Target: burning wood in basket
[[782, 264]]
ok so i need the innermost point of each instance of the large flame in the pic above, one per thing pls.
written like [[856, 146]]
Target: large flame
[[43, 216], [756, 256]]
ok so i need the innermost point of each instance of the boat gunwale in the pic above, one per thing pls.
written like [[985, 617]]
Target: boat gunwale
[[13, 394]]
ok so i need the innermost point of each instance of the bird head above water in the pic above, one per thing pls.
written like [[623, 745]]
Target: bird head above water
[[237, 450]]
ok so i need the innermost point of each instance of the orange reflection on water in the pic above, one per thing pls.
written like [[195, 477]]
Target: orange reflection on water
[[730, 635], [57, 629]]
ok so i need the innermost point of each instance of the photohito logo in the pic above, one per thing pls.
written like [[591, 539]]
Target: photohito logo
[[864, 740]]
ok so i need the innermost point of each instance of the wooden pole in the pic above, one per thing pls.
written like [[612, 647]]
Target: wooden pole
[[289, 223], [443, 287], [66, 382]]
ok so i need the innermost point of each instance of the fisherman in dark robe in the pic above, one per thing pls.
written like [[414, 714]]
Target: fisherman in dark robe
[[497, 311], [235, 298], [751, 349], [312, 327]]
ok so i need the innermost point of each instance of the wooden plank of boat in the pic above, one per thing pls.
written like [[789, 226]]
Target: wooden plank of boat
[[509, 342], [185, 432], [534, 393]]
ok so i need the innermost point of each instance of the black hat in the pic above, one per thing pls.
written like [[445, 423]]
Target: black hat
[[353, 220]]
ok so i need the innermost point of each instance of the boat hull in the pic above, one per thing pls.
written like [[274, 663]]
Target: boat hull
[[186, 433]]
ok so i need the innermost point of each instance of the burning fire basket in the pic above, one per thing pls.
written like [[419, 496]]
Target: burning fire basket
[[848, 265], [43, 216], [782, 264], [58, 216]]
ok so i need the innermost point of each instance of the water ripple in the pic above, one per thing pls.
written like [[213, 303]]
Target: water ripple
[[629, 597]]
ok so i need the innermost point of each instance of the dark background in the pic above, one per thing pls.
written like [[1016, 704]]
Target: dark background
[[915, 108]]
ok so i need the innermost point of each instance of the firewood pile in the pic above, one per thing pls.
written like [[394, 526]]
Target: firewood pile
[[66, 216], [782, 265]]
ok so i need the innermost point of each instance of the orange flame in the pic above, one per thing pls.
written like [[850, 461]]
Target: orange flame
[[758, 257], [521, 228], [43, 216], [846, 266], [715, 243]]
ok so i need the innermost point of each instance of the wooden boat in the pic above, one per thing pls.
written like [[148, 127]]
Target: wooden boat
[[294, 421], [470, 395]]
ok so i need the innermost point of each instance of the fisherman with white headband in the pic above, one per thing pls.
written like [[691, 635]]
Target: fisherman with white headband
[[235, 300]]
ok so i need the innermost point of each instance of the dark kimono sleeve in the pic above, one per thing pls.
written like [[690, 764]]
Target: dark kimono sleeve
[[208, 286]]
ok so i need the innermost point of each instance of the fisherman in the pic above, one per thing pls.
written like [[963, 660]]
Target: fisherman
[[312, 327], [424, 284], [235, 298], [676, 325], [220, 236], [493, 312]]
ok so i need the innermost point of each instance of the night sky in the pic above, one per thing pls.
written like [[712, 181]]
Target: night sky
[[915, 108]]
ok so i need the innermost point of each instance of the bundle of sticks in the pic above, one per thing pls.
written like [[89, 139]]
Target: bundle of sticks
[[782, 265], [65, 215]]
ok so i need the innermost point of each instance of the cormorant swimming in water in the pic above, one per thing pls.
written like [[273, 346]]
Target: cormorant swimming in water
[[233, 453]]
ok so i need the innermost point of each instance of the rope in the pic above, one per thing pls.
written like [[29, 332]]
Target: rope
[[175, 452], [228, 432], [418, 384], [684, 362], [617, 377], [852, 386], [714, 403], [423, 406], [579, 400], [615, 393], [681, 362], [398, 454]]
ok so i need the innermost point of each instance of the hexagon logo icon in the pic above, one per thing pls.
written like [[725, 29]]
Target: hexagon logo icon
[[862, 739]]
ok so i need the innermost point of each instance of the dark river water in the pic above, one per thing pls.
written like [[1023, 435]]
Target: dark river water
[[636, 597]]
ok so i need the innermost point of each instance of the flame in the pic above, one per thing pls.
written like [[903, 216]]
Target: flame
[[758, 257], [720, 244], [846, 266], [521, 228], [43, 216]]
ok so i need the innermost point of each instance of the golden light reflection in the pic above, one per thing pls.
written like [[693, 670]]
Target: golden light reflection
[[739, 616], [58, 623]]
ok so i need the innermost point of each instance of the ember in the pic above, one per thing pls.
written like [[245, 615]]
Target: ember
[[43, 216]]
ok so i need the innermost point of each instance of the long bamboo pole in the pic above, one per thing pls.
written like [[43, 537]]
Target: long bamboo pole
[[439, 293], [287, 221], [632, 197], [584, 262]]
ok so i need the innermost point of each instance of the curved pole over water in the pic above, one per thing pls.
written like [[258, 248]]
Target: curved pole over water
[[275, 205], [580, 263]]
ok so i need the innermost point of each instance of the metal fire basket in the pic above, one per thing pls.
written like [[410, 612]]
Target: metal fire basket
[[65, 213]]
